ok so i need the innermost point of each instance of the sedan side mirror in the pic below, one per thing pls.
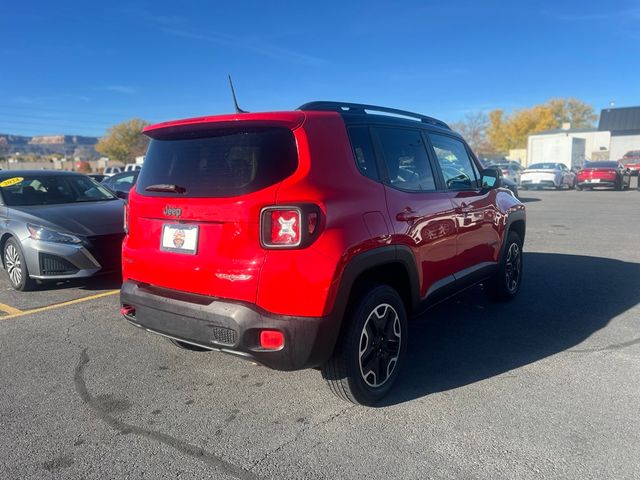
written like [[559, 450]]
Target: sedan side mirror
[[491, 178]]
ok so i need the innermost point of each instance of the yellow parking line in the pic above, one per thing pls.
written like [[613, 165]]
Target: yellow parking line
[[9, 309], [58, 305]]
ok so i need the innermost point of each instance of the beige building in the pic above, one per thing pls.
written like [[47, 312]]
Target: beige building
[[569, 146], [618, 132]]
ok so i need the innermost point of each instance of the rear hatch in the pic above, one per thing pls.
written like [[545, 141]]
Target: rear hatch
[[194, 212]]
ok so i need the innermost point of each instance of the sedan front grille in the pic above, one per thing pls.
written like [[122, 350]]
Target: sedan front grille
[[54, 265]]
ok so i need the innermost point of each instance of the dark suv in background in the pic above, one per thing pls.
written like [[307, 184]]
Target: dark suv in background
[[309, 238]]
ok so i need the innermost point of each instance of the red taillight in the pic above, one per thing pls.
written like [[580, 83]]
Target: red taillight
[[126, 218], [291, 226], [271, 339], [285, 228]]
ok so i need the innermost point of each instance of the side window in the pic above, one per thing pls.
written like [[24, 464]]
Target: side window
[[458, 170], [405, 157], [363, 151], [123, 183]]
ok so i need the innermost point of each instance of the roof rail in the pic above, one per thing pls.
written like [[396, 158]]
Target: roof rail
[[347, 107]]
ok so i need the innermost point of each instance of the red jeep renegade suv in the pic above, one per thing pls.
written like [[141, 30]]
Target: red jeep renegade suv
[[308, 238]]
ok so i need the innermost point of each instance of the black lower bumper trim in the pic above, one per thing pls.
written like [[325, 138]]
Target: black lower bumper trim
[[231, 327]]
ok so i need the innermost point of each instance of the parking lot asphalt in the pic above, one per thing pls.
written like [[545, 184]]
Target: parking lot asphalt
[[543, 387]]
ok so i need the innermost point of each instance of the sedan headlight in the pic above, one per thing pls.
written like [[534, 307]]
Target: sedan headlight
[[46, 235]]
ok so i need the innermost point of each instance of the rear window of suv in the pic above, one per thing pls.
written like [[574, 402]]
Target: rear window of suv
[[218, 163]]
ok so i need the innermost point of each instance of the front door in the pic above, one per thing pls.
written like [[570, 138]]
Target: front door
[[477, 219]]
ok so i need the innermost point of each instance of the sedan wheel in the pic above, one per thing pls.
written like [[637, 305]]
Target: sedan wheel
[[16, 267]]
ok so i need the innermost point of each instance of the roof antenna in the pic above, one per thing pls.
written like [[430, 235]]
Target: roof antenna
[[235, 100]]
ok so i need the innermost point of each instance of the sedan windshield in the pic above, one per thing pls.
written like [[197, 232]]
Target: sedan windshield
[[20, 191]]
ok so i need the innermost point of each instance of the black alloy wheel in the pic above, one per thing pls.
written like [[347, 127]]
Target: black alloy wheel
[[506, 281], [371, 348]]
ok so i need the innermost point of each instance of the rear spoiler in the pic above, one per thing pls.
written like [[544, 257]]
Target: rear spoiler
[[289, 120]]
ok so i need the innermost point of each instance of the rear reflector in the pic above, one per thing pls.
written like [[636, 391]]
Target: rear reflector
[[271, 339], [128, 311]]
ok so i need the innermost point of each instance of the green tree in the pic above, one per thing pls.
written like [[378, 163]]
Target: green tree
[[124, 141]]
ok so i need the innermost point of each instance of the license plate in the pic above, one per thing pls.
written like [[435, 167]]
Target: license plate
[[180, 239], [594, 180]]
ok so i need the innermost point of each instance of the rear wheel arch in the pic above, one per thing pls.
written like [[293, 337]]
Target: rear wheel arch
[[392, 265]]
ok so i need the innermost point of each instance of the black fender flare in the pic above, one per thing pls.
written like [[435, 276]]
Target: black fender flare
[[361, 263]]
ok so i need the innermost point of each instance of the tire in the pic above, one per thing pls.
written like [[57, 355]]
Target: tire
[[578, 187], [374, 337], [505, 284], [619, 187], [188, 346], [16, 266]]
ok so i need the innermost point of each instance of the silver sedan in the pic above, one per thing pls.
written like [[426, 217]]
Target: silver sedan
[[56, 226]]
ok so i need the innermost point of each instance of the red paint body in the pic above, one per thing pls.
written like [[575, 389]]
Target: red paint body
[[618, 178], [447, 232]]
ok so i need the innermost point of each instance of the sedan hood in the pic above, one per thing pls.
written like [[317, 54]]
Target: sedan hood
[[85, 219]]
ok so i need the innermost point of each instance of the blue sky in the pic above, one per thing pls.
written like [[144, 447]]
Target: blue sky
[[77, 68]]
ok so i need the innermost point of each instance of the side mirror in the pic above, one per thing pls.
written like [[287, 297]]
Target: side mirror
[[122, 195], [491, 178]]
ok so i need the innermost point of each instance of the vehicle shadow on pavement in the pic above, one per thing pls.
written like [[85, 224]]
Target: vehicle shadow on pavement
[[529, 199], [564, 299]]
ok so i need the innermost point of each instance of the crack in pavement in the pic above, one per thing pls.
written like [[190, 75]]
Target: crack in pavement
[[299, 434], [73, 325], [608, 348], [125, 428]]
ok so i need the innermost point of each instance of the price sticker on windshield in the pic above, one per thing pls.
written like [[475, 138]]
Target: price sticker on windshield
[[9, 182]]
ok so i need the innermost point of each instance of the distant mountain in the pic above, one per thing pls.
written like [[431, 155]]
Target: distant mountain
[[68, 145]]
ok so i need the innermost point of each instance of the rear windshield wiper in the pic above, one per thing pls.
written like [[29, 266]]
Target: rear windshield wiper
[[165, 187]]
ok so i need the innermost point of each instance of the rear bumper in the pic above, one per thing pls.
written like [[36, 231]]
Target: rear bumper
[[600, 183], [542, 183], [230, 327]]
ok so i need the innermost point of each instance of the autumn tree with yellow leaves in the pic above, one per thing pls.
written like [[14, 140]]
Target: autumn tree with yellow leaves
[[124, 141], [505, 132]]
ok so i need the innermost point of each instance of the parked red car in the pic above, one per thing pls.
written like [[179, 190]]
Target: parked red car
[[604, 174], [308, 238], [631, 160]]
